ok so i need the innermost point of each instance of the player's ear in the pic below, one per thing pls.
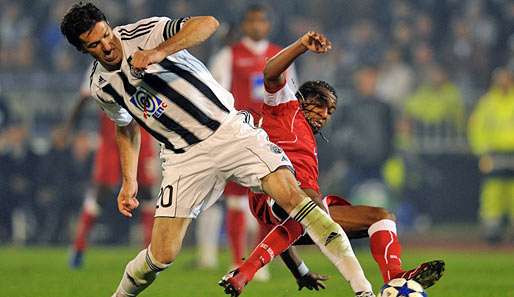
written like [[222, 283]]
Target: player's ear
[[83, 48]]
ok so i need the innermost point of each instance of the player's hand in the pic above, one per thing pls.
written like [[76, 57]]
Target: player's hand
[[144, 58], [316, 42], [127, 200], [311, 281]]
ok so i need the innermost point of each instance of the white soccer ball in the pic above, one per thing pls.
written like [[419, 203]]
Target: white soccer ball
[[400, 287]]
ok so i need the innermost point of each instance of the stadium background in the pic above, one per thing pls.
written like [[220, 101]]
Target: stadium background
[[390, 51]]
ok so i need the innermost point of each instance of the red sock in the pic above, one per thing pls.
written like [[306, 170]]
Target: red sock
[[262, 232], [147, 222], [385, 248], [236, 227], [86, 222], [277, 241]]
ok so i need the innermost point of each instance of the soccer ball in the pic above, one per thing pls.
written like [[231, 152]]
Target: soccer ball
[[400, 287]]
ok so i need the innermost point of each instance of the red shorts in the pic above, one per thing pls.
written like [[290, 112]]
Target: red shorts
[[269, 214], [232, 189]]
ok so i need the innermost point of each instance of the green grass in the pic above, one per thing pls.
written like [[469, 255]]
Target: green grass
[[43, 272]]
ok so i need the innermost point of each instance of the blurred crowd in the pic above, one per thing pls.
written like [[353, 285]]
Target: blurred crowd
[[410, 75]]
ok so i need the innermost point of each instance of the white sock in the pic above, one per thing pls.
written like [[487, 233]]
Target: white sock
[[139, 274], [332, 241]]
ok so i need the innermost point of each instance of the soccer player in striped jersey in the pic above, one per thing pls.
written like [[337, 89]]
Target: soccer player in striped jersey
[[144, 75], [291, 120]]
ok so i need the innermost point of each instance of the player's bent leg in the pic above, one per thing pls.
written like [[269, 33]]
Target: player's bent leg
[[89, 213], [236, 226], [167, 237], [358, 218], [380, 226], [329, 236], [279, 239], [384, 243]]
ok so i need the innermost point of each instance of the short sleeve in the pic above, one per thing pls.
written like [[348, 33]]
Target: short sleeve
[[107, 104], [158, 29], [115, 112], [282, 95], [173, 26]]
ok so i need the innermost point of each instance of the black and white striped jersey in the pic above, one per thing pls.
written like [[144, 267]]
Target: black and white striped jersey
[[177, 101]]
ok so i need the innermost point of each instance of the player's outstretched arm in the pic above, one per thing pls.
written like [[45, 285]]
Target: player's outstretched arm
[[304, 277], [194, 31], [128, 139], [276, 66]]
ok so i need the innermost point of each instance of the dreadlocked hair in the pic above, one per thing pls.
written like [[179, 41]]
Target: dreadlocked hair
[[314, 92], [79, 19]]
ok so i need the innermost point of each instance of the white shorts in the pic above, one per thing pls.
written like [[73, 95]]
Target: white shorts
[[237, 151]]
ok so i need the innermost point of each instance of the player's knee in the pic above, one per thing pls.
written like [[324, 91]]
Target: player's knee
[[164, 258], [283, 187], [165, 255]]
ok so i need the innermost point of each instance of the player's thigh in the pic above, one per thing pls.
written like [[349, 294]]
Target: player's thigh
[[244, 154], [356, 218], [283, 187], [167, 237], [190, 184]]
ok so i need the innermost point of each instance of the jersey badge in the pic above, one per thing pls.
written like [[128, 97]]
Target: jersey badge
[[150, 105], [275, 148]]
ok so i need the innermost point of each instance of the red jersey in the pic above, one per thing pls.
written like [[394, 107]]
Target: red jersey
[[285, 123], [107, 169], [247, 83]]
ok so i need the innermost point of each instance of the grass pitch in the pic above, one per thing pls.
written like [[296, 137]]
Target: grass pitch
[[43, 272]]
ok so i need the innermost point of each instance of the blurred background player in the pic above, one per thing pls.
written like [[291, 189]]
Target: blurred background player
[[238, 68], [294, 132], [106, 180], [491, 137]]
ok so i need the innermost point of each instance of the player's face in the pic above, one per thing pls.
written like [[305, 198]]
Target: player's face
[[317, 115], [256, 25], [319, 111], [101, 43]]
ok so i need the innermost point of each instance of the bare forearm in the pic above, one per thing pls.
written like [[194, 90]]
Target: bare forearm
[[278, 64], [194, 31], [128, 139], [292, 261]]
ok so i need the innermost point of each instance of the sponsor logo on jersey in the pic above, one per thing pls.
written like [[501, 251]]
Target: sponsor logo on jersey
[[150, 105], [257, 87]]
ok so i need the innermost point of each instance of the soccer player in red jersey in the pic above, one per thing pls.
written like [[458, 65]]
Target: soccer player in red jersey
[[291, 120]]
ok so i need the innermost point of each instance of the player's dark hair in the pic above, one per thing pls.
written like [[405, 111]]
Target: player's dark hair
[[312, 92], [79, 19], [256, 8]]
